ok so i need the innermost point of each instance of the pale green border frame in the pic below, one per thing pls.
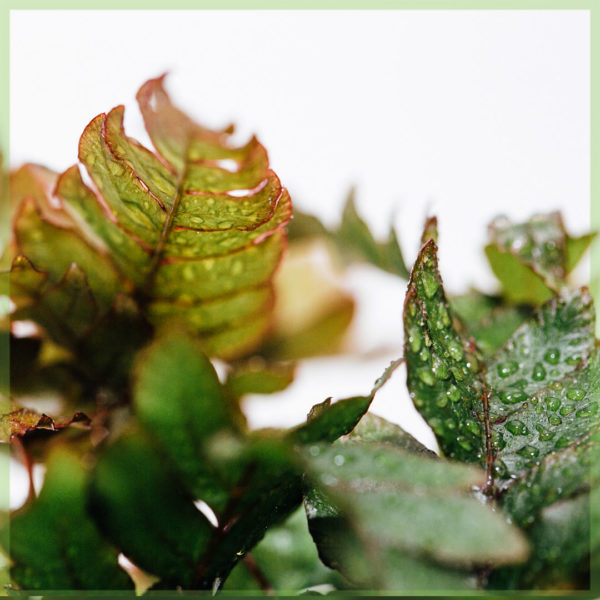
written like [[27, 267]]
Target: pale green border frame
[[591, 5]]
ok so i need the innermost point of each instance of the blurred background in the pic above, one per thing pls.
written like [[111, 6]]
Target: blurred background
[[460, 114]]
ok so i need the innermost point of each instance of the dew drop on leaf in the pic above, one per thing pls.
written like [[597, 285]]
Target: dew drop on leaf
[[430, 284], [516, 427], [554, 420], [507, 369], [574, 393], [539, 373], [552, 356]]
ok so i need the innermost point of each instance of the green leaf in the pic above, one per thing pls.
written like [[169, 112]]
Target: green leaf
[[374, 429], [520, 283], [327, 422], [560, 415], [192, 234], [560, 543], [353, 239], [249, 481], [575, 248], [532, 259], [403, 516], [557, 341], [54, 544], [443, 370], [532, 397], [184, 413], [487, 319], [143, 509], [259, 377]]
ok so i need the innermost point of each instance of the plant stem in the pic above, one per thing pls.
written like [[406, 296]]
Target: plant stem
[[258, 574]]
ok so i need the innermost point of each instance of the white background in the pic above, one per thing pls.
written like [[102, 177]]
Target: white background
[[463, 114]]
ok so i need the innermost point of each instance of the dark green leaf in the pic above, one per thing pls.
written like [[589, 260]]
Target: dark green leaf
[[560, 543], [178, 399], [443, 372], [54, 544], [327, 422], [395, 504], [143, 509], [555, 417]]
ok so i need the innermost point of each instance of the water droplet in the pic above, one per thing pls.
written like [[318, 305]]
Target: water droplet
[[440, 369], [412, 309], [338, 460], [588, 411], [501, 470], [455, 350], [426, 376], [539, 373], [512, 397], [444, 316], [566, 409], [415, 340], [498, 441], [556, 385], [554, 420], [517, 427], [314, 450], [458, 374], [552, 403], [453, 393], [472, 426], [573, 360], [424, 355], [507, 369], [528, 452], [552, 356], [430, 284], [441, 402], [574, 393], [545, 435], [450, 424]]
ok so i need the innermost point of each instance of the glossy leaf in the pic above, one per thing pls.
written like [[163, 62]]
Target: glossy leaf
[[53, 543], [391, 502], [443, 371], [555, 417], [532, 259], [546, 366]]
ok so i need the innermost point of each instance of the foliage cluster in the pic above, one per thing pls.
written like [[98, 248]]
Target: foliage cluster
[[125, 284]]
